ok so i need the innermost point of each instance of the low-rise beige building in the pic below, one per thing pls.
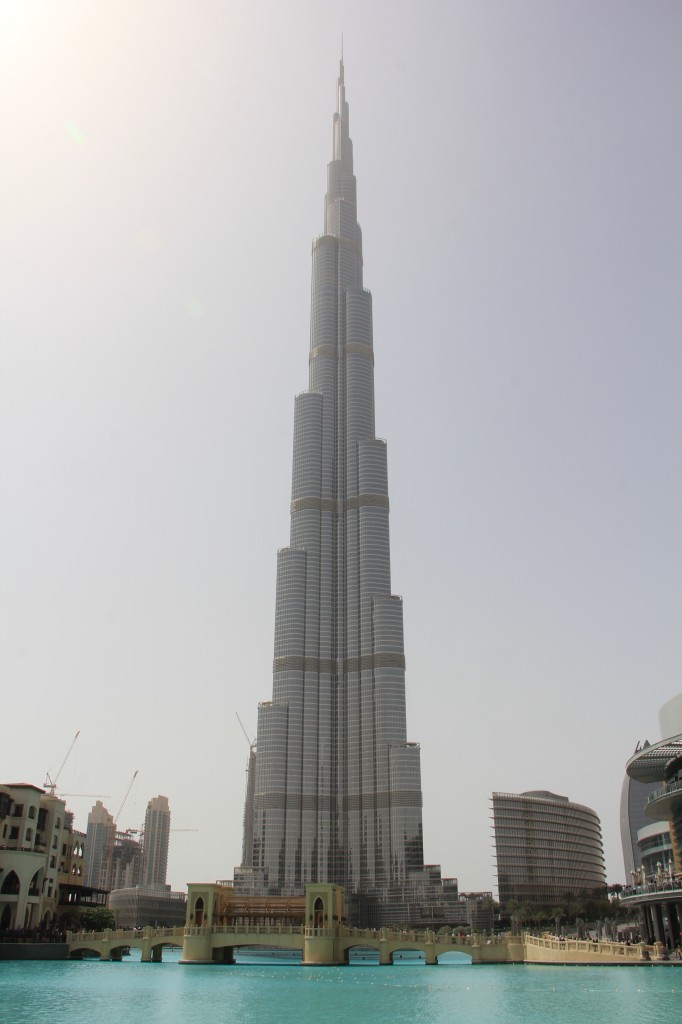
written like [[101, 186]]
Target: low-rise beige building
[[32, 829]]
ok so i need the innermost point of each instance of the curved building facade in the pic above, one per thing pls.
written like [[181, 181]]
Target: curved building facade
[[656, 850], [141, 905], [633, 817], [546, 847], [657, 892], [662, 763]]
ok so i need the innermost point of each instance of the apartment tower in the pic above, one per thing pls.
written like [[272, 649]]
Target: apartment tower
[[99, 847], [155, 841]]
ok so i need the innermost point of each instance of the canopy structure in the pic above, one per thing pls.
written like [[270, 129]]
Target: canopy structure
[[650, 763]]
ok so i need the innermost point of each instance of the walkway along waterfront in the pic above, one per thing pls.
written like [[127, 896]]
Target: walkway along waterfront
[[216, 944]]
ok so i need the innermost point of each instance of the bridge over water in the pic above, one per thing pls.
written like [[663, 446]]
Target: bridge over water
[[216, 944], [218, 923], [209, 944]]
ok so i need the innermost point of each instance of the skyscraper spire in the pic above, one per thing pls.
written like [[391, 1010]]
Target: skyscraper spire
[[343, 147], [337, 795]]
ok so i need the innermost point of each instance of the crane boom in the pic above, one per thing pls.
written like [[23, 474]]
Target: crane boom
[[252, 743], [102, 796], [51, 784], [118, 812]]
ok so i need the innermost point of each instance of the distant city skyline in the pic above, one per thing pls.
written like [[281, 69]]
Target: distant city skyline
[[123, 858], [519, 169]]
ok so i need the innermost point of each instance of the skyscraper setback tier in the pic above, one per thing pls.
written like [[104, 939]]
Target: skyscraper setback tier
[[337, 790]]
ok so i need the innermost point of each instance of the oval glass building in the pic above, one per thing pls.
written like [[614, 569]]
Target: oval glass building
[[546, 849]]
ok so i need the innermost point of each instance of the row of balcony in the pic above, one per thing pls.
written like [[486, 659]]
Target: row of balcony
[[662, 885], [667, 790]]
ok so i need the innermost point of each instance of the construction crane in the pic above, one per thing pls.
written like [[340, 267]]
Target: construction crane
[[140, 831], [51, 784], [93, 796], [252, 743], [247, 840], [127, 793]]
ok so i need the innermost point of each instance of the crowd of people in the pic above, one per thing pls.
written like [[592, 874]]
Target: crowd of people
[[50, 933]]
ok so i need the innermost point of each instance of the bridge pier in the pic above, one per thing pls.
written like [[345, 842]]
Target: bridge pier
[[223, 955], [151, 954], [198, 949], [319, 949], [114, 955]]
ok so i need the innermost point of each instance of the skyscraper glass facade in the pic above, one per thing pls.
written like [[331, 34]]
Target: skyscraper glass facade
[[337, 788]]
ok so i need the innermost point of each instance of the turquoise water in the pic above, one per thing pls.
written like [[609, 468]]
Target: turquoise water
[[135, 993]]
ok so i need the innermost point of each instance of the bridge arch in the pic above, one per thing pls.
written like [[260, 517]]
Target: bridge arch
[[116, 952], [454, 958], [78, 951], [355, 947], [397, 954]]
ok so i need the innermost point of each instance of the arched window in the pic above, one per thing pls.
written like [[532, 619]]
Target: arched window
[[318, 913], [199, 911], [11, 884]]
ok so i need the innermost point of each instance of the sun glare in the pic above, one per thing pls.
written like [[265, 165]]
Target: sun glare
[[18, 21]]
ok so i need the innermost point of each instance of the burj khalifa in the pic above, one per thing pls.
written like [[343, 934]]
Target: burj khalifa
[[335, 794]]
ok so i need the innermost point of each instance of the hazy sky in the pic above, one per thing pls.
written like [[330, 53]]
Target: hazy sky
[[162, 176]]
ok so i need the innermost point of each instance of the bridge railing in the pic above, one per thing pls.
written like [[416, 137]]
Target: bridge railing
[[632, 952], [159, 933], [243, 929], [652, 888], [87, 936], [125, 934], [134, 935], [428, 936]]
